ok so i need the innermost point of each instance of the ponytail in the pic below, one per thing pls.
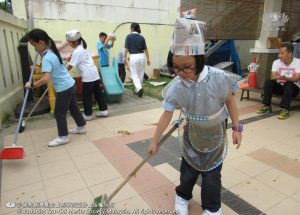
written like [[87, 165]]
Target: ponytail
[[82, 41], [37, 35], [55, 50]]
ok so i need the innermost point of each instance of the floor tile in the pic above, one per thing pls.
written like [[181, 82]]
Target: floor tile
[[280, 181], [148, 179], [127, 192], [23, 139], [258, 194], [99, 174], [43, 136], [128, 164], [288, 206], [277, 161], [13, 166], [161, 198], [197, 194], [78, 139], [21, 178], [90, 159], [52, 155], [134, 205], [290, 147], [81, 200], [108, 148], [62, 185], [248, 165], [232, 176], [30, 193], [228, 211], [195, 209], [80, 149], [57, 168], [168, 171], [296, 196]]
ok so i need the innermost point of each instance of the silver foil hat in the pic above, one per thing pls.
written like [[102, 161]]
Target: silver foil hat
[[188, 37]]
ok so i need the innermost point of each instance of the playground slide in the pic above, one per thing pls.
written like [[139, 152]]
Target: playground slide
[[113, 86]]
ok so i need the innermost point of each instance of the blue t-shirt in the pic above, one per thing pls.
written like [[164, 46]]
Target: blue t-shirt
[[135, 43], [61, 78], [103, 54]]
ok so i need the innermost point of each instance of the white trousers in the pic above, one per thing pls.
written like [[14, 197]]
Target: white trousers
[[137, 69]]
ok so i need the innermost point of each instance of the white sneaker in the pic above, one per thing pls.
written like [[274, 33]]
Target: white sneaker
[[102, 113], [87, 118], [58, 141], [181, 206], [207, 212], [77, 130]]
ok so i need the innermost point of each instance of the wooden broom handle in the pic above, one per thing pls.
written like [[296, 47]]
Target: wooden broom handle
[[133, 173], [34, 107]]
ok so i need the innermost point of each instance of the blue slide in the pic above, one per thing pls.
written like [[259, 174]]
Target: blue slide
[[113, 85]]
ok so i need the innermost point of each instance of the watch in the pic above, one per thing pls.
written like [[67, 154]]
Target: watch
[[239, 128]]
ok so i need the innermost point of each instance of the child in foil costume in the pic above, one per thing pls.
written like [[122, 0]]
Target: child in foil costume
[[204, 95]]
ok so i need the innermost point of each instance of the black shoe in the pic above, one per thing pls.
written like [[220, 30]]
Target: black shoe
[[146, 77], [140, 92]]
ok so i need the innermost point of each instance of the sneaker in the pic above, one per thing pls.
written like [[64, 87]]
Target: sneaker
[[140, 92], [77, 130], [264, 109], [87, 118], [181, 206], [58, 141], [283, 114], [207, 212], [102, 113]]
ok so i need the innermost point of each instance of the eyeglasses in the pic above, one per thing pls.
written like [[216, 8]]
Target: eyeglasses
[[184, 70]]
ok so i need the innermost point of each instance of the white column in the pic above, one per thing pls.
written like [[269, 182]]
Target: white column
[[266, 29]]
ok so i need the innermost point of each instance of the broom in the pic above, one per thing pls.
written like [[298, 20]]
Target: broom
[[23, 124], [17, 152], [104, 199]]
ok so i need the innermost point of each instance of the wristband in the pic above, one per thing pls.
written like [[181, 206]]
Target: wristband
[[32, 85], [239, 128]]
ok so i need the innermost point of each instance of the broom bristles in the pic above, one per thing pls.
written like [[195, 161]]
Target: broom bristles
[[12, 153]]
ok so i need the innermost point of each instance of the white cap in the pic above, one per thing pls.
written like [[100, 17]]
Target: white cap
[[73, 35], [188, 37]]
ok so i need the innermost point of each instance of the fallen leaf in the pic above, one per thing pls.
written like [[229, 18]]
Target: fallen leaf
[[124, 132]]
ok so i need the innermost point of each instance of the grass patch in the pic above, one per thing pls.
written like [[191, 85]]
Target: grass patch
[[152, 91]]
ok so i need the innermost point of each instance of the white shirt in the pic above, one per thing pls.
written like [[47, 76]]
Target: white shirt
[[286, 70], [83, 60]]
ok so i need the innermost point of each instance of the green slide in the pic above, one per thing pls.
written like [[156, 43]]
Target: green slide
[[113, 85]]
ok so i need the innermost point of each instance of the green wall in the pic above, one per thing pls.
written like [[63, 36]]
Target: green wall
[[157, 36]]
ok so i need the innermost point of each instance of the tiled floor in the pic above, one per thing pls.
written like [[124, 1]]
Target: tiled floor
[[262, 177]]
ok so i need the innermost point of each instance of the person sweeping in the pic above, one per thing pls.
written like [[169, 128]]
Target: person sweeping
[[204, 95], [54, 70], [83, 60]]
